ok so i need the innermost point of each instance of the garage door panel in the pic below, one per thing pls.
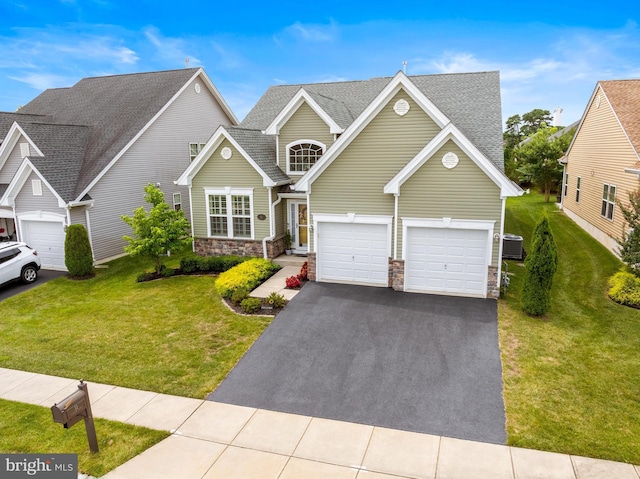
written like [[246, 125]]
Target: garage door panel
[[353, 252], [446, 260], [47, 238]]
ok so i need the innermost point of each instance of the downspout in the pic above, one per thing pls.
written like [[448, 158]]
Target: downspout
[[86, 214], [395, 227], [68, 214], [272, 222], [193, 232]]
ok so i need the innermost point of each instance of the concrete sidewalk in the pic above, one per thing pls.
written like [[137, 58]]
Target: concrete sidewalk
[[215, 440]]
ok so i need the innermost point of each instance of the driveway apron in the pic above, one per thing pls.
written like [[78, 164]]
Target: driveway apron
[[417, 362]]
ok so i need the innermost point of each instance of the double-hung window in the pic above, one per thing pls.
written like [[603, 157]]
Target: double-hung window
[[566, 184], [230, 212], [578, 189], [177, 201], [194, 149], [608, 201]]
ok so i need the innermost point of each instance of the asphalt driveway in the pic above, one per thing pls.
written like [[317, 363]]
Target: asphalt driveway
[[416, 362], [16, 287]]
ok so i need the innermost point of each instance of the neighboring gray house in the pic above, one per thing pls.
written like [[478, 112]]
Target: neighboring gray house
[[392, 182], [84, 154]]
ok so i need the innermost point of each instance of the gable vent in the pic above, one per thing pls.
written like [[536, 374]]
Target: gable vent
[[36, 186], [24, 150]]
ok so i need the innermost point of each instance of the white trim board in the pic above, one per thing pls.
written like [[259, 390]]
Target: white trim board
[[296, 102]]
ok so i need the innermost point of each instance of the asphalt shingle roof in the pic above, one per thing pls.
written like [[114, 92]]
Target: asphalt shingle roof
[[261, 148], [624, 96], [7, 119], [115, 108], [470, 100]]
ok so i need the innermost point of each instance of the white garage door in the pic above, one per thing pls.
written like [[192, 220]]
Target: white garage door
[[353, 252], [443, 260], [47, 238]]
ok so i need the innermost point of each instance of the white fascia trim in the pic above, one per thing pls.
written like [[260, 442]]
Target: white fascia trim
[[297, 142], [214, 91], [293, 105], [214, 142], [449, 223], [18, 181], [615, 114], [10, 141], [41, 216], [450, 132], [351, 218], [301, 195], [398, 82], [138, 135], [73, 204]]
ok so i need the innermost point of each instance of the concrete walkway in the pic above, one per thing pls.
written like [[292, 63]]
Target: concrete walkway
[[277, 283], [215, 440]]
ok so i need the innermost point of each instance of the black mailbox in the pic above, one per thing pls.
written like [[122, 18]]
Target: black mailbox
[[71, 409]]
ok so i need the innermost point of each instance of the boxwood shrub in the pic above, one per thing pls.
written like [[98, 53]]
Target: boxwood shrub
[[251, 305], [624, 288], [248, 274], [209, 264]]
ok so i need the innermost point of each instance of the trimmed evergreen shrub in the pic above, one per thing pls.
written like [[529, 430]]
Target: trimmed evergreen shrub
[[251, 305], [541, 264], [248, 274], [624, 288], [239, 295], [210, 264], [77, 252]]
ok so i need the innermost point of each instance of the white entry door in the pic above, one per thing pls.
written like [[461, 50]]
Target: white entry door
[[353, 253], [47, 238], [446, 260]]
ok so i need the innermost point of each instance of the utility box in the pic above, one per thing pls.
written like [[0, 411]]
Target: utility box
[[512, 247]]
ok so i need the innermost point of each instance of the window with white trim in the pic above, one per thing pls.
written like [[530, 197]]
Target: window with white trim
[[566, 184], [194, 149], [608, 201], [177, 201], [230, 212], [303, 155], [578, 184]]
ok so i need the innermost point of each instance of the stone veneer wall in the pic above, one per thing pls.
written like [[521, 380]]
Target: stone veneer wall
[[218, 247], [396, 274], [311, 266], [493, 285]]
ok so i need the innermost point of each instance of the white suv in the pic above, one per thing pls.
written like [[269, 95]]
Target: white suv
[[18, 261]]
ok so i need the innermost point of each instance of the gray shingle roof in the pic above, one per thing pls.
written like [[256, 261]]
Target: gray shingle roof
[[470, 100], [115, 108], [261, 148], [7, 119], [64, 148]]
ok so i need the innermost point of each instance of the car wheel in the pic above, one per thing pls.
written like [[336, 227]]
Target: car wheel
[[29, 274]]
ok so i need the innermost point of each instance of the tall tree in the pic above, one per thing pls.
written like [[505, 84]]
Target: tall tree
[[541, 264], [630, 242], [534, 120], [160, 230]]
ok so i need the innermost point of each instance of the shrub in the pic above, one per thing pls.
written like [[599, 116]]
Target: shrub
[[239, 295], [304, 272], [276, 300], [251, 305], [248, 274], [77, 252], [541, 265], [210, 264], [625, 289], [292, 282]]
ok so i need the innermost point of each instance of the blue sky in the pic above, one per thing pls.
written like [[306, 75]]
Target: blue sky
[[548, 55]]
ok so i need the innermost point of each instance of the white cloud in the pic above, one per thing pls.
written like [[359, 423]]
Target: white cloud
[[172, 49], [42, 81], [313, 32]]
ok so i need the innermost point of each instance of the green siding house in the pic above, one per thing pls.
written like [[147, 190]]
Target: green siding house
[[393, 182]]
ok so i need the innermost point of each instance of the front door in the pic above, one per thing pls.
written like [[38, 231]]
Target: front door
[[298, 224]]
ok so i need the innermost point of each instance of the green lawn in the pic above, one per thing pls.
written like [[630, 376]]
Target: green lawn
[[171, 336], [29, 429], [572, 378]]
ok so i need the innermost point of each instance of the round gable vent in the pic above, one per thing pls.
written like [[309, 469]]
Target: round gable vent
[[196, 87], [401, 107], [226, 153], [450, 160]]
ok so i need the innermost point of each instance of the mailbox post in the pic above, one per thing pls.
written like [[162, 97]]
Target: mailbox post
[[74, 408]]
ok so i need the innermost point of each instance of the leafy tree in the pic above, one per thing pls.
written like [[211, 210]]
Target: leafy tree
[[541, 264], [630, 243], [537, 159], [534, 121], [77, 252], [158, 231]]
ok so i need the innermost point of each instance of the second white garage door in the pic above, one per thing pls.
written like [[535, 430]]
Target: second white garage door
[[353, 253], [47, 238], [446, 260]]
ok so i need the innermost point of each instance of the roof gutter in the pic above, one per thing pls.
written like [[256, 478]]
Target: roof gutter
[[633, 171]]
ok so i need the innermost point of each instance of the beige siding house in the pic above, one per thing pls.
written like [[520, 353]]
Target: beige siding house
[[82, 155], [603, 161], [392, 182]]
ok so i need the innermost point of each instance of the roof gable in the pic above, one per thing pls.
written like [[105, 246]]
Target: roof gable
[[20, 178], [304, 97]]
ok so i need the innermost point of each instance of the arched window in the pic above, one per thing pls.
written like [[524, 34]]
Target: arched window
[[303, 155]]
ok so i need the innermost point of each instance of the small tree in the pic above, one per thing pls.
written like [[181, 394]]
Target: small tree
[[630, 242], [77, 252], [160, 230], [541, 265]]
